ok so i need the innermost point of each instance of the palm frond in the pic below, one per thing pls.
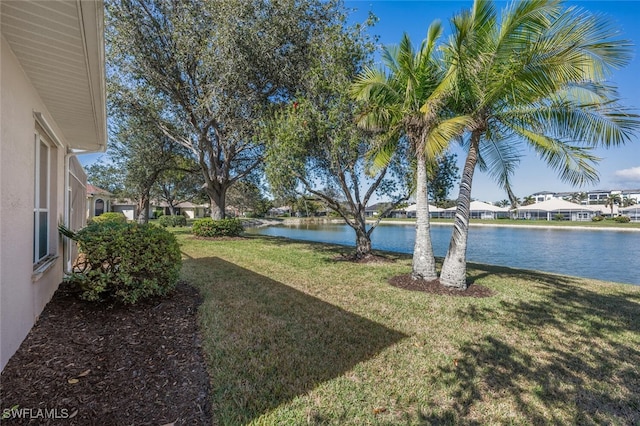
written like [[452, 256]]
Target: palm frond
[[500, 159], [443, 133], [574, 164]]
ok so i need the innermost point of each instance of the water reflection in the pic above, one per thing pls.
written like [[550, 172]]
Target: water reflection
[[604, 255]]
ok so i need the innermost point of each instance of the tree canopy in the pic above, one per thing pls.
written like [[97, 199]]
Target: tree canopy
[[208, 72]]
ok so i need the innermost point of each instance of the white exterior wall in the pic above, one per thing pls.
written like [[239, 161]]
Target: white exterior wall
[[127, 210], [23, 295]]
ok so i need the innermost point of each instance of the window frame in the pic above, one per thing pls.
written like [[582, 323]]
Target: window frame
[[38, 209]]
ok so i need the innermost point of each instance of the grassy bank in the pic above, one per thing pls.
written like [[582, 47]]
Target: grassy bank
[[294, 337]]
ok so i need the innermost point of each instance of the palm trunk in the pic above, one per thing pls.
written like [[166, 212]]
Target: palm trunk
[[454, 267], [424, 263]]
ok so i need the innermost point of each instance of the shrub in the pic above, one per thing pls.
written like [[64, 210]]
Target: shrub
[[174, 220], [109, 217], [598, 218], [217, 228], [126, 262], [158, 213], [558, 216], [622, 219]]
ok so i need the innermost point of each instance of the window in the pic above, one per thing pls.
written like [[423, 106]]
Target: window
[[99, 209], [42, 211]]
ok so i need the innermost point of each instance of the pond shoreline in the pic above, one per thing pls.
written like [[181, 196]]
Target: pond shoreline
[[261, 223], [509, 225]]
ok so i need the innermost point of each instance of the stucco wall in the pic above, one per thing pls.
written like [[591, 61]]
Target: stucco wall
[[22, 294]]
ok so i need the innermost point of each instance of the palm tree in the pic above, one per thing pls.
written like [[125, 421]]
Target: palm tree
[[408, 103], [612, 200], [528, 200], [535, 76]]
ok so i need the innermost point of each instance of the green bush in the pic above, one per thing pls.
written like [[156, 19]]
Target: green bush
[[622, 219], [175, 220], [598, 218], [558, 216], [109, 217], [217, 228], [158, 213], [125, 262]]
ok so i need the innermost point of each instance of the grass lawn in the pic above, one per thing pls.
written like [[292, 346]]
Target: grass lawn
[[292, 336]]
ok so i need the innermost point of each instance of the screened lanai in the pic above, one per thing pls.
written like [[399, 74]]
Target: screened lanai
[[557, 209]]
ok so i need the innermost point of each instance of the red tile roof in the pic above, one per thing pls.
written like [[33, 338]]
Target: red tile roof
[[93, 190]]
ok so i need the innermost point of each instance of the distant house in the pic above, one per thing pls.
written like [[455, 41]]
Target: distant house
[[52, 103], [434, 212], [544, 196], [633, 212], [375, 209], [479, 210], [599, 196], [125, 206], [631, 194], [548, 210], [279, 211], [98, 201], [187, 209]]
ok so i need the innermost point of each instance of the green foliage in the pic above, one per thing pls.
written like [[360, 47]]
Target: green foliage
[[209, 71], [247, 199], [622, 219], [172, 220], [598, 218], [558, 216], [217, 228], [442, 177], [109, 217], [108, 176], [125, 262]]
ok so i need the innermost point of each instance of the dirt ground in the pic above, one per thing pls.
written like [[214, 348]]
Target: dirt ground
[[408, 283], [98, 364]]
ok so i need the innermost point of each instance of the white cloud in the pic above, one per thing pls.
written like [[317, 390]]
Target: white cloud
[[629, 175]]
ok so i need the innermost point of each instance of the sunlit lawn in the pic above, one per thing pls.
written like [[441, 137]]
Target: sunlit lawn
[[294, 337]]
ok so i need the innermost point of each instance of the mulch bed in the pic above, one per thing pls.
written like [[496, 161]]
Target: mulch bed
[[112, 365], [408, 283]]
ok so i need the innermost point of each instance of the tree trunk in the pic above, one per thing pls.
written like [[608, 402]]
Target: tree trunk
[[143, 214], [454, 268], [218, 202], [363, 238], [363, 244], [424, 263], [172, 210]]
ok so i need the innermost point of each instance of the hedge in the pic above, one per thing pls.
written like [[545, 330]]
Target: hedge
[[172, 220], [126, 262], [217, 228], [109, 217]]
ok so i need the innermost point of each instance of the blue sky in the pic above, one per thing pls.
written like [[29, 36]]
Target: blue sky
[[619, 167]]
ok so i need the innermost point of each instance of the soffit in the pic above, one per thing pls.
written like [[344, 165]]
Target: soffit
[[60, 46]]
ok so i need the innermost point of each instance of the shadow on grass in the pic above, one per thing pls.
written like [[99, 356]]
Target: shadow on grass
[[268, 343], [583, 359]]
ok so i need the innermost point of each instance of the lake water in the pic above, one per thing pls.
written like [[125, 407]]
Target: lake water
[[600, 254]]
